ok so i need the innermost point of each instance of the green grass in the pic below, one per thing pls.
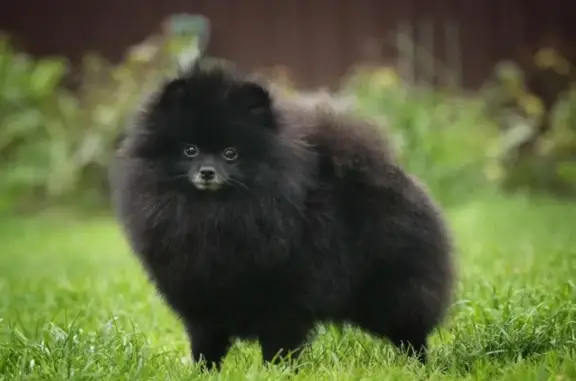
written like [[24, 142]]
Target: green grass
[[75, 305]]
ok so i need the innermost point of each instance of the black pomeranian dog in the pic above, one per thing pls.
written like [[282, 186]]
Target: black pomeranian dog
[[258, 215]]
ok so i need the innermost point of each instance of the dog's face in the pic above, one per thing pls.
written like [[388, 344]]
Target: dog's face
[[209, 171], [210, 131]]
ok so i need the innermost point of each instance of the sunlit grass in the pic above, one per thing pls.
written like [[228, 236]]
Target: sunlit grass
[[75, 305]]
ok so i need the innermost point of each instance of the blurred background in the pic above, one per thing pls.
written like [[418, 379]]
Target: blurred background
[[479, 94]]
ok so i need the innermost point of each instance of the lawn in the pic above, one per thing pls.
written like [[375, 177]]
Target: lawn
[[75, 305]]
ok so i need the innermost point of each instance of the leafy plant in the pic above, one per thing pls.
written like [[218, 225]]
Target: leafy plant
[[28, 110], [534, 104], [55, 143], [443, 138]]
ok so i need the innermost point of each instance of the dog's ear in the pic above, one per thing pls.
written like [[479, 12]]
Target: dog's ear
[[252, 97], [171, 93]]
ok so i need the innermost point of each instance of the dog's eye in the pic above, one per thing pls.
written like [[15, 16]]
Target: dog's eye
[[191, 151], [230, 154]]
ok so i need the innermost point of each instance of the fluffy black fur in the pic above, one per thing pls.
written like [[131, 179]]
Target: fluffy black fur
[[304, 218]]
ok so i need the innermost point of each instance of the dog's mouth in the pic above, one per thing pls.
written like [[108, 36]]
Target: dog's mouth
[[213, 184], [207, 185]]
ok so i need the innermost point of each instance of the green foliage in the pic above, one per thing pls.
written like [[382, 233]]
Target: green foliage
[[28, 108], [444, 139], [539, 144], [556, 150], [492, 140], [56, 143]]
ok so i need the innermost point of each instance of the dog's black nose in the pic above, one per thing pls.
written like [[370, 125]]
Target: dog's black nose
[[207, 173]]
